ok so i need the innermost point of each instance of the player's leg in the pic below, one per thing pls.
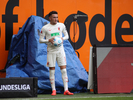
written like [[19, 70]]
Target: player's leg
[[64, 77], [65, 80], [50, 63], [52, 79], [61, 60]]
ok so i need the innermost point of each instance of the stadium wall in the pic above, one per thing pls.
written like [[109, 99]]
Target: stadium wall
[[88, 22]]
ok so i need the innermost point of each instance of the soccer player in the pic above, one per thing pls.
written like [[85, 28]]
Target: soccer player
[[49, 31]]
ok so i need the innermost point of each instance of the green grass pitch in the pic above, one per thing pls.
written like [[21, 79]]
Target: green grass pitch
[[78, 96]]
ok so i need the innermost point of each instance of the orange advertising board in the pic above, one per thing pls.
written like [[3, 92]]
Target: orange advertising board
[[88, 22]]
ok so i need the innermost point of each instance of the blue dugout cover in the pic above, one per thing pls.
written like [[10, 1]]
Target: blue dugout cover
[[29, 58]]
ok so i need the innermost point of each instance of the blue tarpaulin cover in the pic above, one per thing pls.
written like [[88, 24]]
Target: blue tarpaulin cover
[[33, 58]]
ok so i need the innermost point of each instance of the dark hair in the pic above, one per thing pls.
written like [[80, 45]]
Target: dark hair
[[52, 12]]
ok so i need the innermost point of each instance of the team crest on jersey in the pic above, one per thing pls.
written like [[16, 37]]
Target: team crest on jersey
[[59, 28]]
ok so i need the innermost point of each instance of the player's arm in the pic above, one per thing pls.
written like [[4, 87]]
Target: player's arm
[[65, 33], [42, 35]]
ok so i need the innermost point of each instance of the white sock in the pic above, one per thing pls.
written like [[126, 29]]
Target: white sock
[[65, 79], [52, 79]]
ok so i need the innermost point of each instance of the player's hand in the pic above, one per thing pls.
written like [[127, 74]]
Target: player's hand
[[51, 40], [62, 39]]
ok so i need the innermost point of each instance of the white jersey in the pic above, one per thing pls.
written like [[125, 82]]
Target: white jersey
[[49, 31]]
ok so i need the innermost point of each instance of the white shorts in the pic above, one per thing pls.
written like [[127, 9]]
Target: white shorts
[[60, 57]]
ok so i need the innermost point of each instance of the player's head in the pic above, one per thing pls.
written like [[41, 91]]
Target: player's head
[[53, 17], [52, 12]]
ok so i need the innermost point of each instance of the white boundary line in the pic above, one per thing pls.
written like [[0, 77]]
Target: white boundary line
[[84, 97], [64, 97]]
